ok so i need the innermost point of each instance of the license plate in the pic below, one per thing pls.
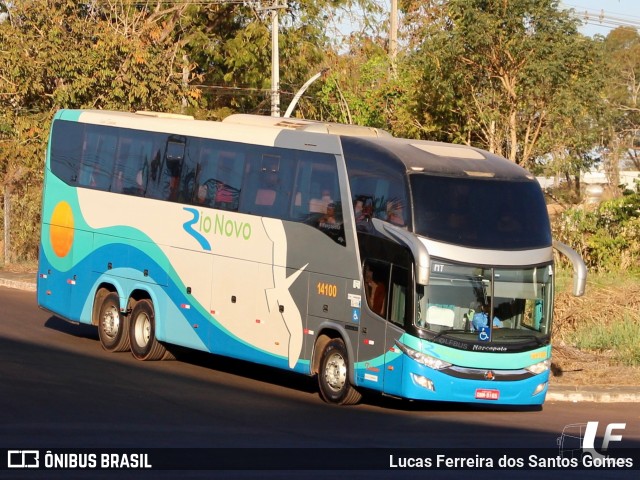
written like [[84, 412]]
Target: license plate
[[484, 394]]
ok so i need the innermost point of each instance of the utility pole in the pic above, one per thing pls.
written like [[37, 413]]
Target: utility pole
[[7, 225], [275, 56], [275, 65], [393, 37]]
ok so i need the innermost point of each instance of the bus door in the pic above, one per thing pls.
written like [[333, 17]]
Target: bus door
[[398, 315], [384, 311]]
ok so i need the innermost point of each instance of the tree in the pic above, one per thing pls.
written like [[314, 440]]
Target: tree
[[622, 55], [360, 86], [75, 55], [493, 71], [576, 117], [204, 58]]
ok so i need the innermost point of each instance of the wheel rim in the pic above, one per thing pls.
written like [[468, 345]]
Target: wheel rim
[[142, 331], [335, 372], [111, 322]]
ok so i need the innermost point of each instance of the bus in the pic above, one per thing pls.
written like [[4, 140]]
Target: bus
[[417, 269]]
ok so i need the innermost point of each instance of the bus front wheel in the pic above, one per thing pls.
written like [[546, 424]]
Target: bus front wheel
[[113, 329], [333, 377], [142, 326]]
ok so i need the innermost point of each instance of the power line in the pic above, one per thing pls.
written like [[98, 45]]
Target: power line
[[603, 19]]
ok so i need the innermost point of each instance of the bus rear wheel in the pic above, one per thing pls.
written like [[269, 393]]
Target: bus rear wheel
[[113, 329], [333, 376], [142, 326]]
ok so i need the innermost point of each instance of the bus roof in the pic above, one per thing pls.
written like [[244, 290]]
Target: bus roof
[[416, 155], [167, 123], [307, 125], [423, 156]]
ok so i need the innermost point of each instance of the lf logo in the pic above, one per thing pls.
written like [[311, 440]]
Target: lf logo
[[580, 438], [588, 441], [23, 459]]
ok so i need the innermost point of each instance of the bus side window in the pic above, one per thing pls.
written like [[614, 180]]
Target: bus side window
[[123, 162], [229, 180], [154, 182], [378, 186], [398, 295], [132, 167], [188, 171], [174, 155], [376, 286], [88, 160], [96, 170], [66, 156], [205, 176], [317, 200], [267, 184]]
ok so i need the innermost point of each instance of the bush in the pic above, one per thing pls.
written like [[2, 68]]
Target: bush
[[608, 237]]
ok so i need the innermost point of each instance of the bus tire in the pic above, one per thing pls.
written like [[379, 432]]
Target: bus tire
[[142, 327], [333, 375], [113, 328]]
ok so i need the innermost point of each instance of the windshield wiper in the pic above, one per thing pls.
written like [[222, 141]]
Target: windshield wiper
[[528, 337], [524, 337]]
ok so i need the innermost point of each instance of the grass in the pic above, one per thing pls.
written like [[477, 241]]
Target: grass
[[19, 267], [619, 339], [605, 321]]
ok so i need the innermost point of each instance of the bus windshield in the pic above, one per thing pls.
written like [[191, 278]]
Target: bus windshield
[[487, 304], [480, 212]]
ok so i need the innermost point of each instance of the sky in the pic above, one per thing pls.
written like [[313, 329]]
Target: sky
[[614, 13]]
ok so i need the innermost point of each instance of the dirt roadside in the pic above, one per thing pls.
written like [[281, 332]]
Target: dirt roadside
[[602, 305], [571, 366]]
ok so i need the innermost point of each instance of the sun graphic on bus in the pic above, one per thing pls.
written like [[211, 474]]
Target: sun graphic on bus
[[61, 231]]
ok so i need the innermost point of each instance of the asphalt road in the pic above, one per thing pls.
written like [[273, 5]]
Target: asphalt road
[[60, 389]]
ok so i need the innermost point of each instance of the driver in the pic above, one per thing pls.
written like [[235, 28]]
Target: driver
[[481, 319]]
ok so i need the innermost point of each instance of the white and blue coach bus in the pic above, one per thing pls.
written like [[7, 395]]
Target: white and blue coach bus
[[417, 269]]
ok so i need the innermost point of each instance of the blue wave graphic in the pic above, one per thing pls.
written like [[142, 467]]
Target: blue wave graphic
[[188, 227], [74, 302]]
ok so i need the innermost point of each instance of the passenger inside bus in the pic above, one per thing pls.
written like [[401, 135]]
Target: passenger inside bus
[[225, 196], [395, 213], [363, 209], [319, 205], [266, 194], [203, 197], [329, 218], [375, 291]]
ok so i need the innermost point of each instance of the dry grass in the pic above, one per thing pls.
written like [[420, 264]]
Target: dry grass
[[23, 267], [608, 300], [601, 303]]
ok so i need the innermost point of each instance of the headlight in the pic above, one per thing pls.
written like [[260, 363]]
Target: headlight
[[540, 367], [423, 358]]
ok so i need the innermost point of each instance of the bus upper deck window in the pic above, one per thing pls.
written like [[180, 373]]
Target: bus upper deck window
[[268, 185]]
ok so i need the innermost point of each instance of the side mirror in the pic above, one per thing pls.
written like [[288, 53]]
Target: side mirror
[[579, 268]]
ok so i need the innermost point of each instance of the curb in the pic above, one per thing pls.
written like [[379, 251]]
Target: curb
[[18, 284], [556, 393], [608, 394]]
